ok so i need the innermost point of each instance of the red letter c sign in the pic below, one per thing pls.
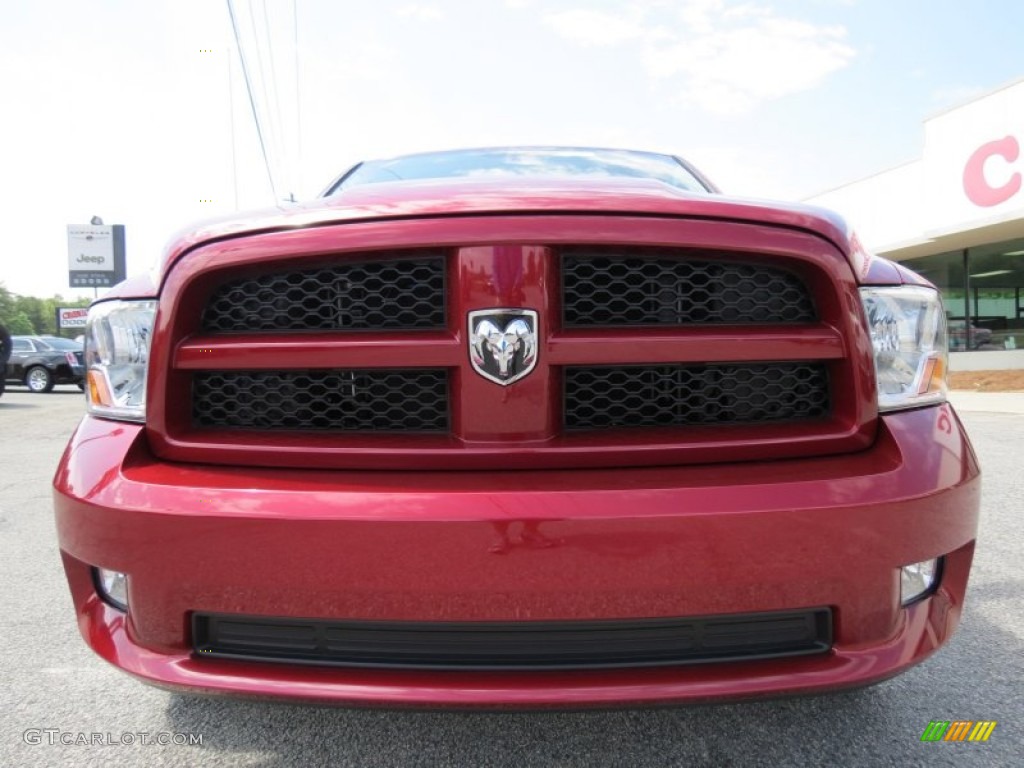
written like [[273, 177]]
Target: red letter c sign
[[977, 188]]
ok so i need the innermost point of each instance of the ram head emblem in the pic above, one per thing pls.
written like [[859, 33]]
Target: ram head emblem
[[503, 343]]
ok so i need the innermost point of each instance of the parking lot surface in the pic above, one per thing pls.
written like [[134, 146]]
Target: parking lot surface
[[62, 705]]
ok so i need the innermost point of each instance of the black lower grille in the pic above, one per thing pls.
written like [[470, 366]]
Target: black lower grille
[[342, 400], [680, 395], [515, 645]]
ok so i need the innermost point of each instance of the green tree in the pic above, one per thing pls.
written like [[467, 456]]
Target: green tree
[[34, 309], [19, 325], [30, 314], [6, 304]]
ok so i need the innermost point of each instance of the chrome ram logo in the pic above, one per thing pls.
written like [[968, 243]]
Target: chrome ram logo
[[503, 343]]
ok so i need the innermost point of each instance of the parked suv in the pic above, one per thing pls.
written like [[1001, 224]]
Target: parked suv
[[40, 362]]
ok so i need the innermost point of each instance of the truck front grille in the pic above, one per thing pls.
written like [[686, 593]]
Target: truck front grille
[[517, 646], [402, 294], [351, 347], [614, 289], [386, 400], [598, 397]]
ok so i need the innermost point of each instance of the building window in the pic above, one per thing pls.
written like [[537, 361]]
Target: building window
[[987, 292]]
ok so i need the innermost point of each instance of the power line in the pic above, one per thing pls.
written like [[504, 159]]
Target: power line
[[269, 127], [277, 123], [252, 100], [231, 122], [298, 110]]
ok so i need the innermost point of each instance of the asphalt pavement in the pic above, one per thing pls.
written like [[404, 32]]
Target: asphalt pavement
[[62, 705]]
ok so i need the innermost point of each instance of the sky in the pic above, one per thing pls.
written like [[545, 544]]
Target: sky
[[138, 112]]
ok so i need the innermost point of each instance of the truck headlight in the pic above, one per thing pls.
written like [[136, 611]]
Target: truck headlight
[[117, 338], [908, 332]]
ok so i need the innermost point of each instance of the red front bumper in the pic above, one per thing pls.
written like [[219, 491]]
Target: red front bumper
[[450, 546]]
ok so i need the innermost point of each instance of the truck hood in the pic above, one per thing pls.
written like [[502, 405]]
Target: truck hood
[[514, 195]]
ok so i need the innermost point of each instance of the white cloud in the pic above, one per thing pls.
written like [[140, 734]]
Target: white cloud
[[735, 68], [419, 12], [588, 27], [726, 58], [701, 17]]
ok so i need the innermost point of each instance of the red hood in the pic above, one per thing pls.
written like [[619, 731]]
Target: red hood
[[519, 195]]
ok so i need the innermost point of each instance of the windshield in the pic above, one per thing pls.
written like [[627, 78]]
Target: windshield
[[533, 162], [53, 342]]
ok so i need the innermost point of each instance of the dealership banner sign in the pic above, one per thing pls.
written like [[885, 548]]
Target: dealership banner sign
[[71, 317], [96, 257]]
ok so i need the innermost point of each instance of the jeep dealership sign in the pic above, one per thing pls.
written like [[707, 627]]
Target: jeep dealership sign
[[95, 255]]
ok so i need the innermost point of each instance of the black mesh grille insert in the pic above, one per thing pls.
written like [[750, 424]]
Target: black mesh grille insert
[[607, 290], [373, 295], [676, 395], [357, 401], [514, 645]]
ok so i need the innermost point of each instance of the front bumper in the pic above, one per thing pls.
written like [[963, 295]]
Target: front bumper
[[521, 546]]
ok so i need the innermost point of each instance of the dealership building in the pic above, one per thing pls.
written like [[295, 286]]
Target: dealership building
[[956, 215]]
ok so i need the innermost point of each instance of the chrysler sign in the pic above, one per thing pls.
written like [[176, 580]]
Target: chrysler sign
[[95, 255], [72, 317]]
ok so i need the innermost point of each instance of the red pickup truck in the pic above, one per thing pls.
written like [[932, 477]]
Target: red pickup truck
[[519, 428]]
